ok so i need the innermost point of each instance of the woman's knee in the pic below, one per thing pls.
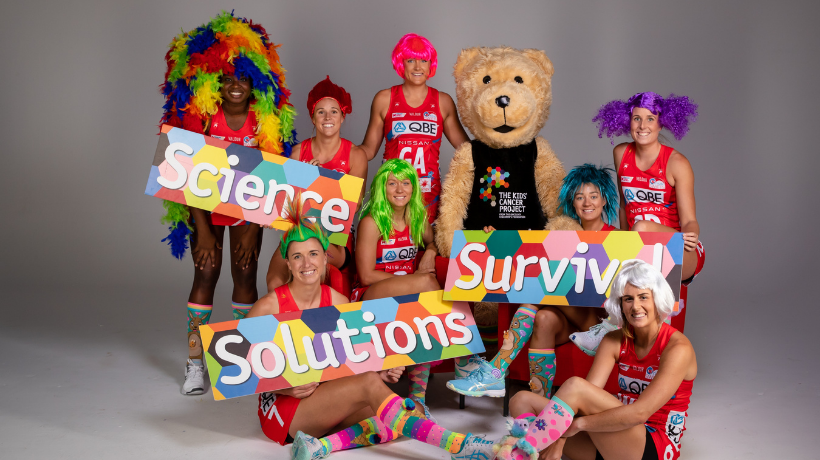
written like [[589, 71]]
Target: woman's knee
[[548, 319], [207, 277], [640, 226]]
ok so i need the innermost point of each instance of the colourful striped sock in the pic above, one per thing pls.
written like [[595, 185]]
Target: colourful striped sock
[[514, 339], [396, 415], [419, 375], [542, 370], [197, 315], [240, 310], [365, 433]]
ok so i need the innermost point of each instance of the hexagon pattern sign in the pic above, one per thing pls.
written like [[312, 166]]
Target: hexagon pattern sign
[[553, 267], [275, 352], [245, 183]]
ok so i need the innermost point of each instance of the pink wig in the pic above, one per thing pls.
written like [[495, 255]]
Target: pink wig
[[413, 46]]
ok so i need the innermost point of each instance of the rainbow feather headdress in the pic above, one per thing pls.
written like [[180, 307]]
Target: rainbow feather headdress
[[225, 46]]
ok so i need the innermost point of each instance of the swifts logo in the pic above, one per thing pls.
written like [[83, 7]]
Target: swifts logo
[[651, 372], [430, 116], [495, 177], [656, 184], [249, 141]]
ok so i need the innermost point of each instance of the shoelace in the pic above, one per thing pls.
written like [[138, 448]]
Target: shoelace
[[194, 370]]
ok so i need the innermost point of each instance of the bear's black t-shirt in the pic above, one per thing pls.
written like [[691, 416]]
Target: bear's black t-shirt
[[504, 194]]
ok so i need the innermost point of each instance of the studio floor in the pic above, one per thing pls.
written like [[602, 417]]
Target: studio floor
[[97, 375]]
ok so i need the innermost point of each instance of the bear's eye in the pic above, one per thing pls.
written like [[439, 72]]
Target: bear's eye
[[519, 80], [487, 79]]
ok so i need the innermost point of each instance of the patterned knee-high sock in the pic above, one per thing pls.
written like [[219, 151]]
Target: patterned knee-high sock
[[396, 414], [515, 337], [197, 315], [550, 424], [542, 370], [365, 433], [240, 309], [419, 374]]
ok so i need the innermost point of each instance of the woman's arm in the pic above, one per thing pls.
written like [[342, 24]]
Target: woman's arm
[[617, 156], [605, 359], [337, 297], [366, 240], [683, 179], [358, 166], [676, 362], [427, 264], [268, 304], [375, 128], [452, 125]]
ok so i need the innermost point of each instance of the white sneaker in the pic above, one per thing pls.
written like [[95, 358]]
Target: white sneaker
[[194, 379], [588, 341], [472, 364], [306, 447]]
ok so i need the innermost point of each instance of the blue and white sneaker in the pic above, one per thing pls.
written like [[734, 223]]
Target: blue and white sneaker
[[471, 365], [475, 448], [485, 380], [306, 447]]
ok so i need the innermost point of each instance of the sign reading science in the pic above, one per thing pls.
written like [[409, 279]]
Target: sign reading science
[[553, 267], [275, 352], [242, 182]]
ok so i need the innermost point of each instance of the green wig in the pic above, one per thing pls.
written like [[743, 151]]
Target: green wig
[[600, 177], [381, 210], [302, 229]]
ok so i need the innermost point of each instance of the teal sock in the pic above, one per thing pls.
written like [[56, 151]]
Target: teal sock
[[542, 371], [240, 310], [515, 337]]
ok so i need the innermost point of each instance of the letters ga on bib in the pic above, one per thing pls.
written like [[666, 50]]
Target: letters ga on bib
[[275, 352], [242, 182], [554, 267]]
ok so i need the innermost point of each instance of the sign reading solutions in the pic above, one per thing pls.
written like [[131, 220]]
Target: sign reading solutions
[[242, 182], [553, 267], [275, 352]]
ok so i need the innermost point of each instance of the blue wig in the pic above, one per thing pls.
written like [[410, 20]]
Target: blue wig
[[588, 173]]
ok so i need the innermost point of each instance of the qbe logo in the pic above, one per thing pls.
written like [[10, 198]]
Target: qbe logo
[[424, 128], [394, 254], [642, 195], [634, 386]]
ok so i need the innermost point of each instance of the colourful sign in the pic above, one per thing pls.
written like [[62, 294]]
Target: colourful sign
[[242, 182], [275, 352], [553, 267]]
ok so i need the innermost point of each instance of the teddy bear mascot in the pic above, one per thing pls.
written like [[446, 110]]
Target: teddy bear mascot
[[507, 178]]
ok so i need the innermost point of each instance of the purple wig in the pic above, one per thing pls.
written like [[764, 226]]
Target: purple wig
[[413, 46], [674, 113]]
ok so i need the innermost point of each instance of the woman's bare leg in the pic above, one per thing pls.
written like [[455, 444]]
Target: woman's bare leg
[[402, 285], [587, 399]]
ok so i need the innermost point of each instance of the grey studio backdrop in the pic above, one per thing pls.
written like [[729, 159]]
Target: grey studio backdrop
[[93, 325]]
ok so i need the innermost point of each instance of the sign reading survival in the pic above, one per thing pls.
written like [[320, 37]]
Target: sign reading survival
[[242, 182], [553, 267]]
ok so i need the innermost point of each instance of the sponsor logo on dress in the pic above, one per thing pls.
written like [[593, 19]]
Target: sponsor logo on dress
[[221, 138], [393, 254], [632, 385], [675, 423], [651, 372], [626, 179], [430, 116], [624, 367], [419, 128], [249, 141], [399, 115], [656, 184], [642, 195]]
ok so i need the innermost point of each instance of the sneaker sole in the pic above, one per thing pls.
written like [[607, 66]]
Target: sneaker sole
[[479, 394], [194, 392]]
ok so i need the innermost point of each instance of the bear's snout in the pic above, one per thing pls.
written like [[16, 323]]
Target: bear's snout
[[502, 101]]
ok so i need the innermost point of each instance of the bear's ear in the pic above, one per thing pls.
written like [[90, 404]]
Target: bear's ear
[[540, 58], [466, 56]]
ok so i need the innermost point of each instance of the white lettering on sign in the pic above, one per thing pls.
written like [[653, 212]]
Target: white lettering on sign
[[288, 357], [248, 186], [551, 277]]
